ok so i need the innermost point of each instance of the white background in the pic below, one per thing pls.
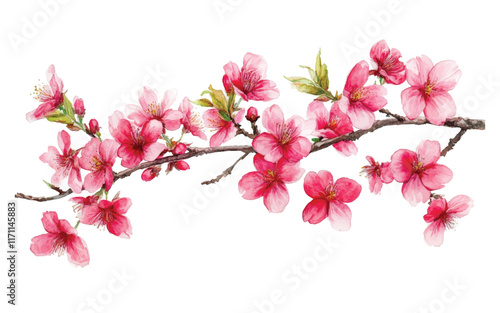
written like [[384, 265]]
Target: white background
[[233, 255]]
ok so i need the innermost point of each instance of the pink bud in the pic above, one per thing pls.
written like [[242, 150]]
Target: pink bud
[[150, 173], [79, 107], [252, 114], [94, 126], [227, 84], [181, 166], [180, 148]]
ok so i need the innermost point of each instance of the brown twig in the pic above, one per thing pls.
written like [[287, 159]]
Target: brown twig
[[226, 172], [457, 122], [389, 113], [453, 141], [43, 199], [241, 130]]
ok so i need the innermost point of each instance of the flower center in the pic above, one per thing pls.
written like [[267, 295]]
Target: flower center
[[97, 163], [286, 133], [248, 79], [357, 94], [271, 176], [333, 124], [418, 168], [330, 193], [154, 110], [60, 244]]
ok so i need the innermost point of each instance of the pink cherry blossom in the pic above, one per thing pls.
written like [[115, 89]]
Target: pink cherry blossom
[[51, 96], [283, 139], [79, 106], [250, 82], [329, 199], [359, 101], [65, 164], [442, 215], [429, 89], [331, 125], [61, 237], [377, 174], [109, 214], [419, 172], [83, 202], [151, 110], [387, 64], [224, 130], [98, 158], [269, 182], [136, 143], [191, 122]]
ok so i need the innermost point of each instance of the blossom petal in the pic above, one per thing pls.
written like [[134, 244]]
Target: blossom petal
[[289, 172], [402, 164], [460, 205], [417, 70], [435, 209], [436, 176], [272, 118], [43, 245], [339, 215], [434, 233], [357, 77], [428, 152], [413, 102], [147, 96], [276, 197], [439, 107], [254, 62], [313, 185], [445, 75], [252, 186], [152, 131], [50, 222], [153, 150], [267, 145], [122, 205], [346, 148], [347, 190], [414, 191], [315, 211], [78, 252], [120, 227], [361, 117]]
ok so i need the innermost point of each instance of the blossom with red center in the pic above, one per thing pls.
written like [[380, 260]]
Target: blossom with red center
[[61, 237], [82, 202], [98, 158], [359, 101], [329, 199], [224, 130], [269, 182], [331, 125], [377, 174], [387, 64], [109, 214], [136, 143], [283, 139], [191, 122], [250, 82], [429, 89], [442, 215], [419, 172], [65, 164], [151, 109], [51, 96]]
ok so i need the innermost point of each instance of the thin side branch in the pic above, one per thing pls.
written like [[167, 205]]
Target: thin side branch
[[453, 141], [389, 113], [226, 172], [241, 130], [457, 122]]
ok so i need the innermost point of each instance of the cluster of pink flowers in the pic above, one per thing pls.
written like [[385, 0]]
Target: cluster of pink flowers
[[147, 134]]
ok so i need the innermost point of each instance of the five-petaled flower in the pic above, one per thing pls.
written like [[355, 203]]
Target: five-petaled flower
[[377, 174], [61, 237], [419, 172], [359, 101], [269, 182], [442, 215], [429, 89], [98, 158], [150, 109], [136, 143], [387, 64], [331, 125], [250, 82], [329, 199], [51, 96], [224, 130], [109, 214], [283, 139], [65, 164]]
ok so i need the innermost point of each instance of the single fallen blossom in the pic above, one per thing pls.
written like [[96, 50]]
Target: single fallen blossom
[[61, 238], [329, 199], [268, 181], [442, 215]]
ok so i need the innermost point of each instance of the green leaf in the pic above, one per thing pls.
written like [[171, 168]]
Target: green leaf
[[218, 99], [322, 72], [68, 107], [312, 73], [225, 116], [59, 117], [202, 102], [315, 139], [305, 85]]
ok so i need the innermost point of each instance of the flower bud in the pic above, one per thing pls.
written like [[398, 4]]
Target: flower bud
[[94, 126], [180, 148], [150, 173], [79, 107], [252, 115], [228, 85]]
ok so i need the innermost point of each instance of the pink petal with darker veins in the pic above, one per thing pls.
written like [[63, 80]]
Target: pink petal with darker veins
[[413, 102], [434, 233], [315, 211], [347, 190], [440, 106], [414, 191], [436, 176], [276, 197], [339, 215], [251, 186]]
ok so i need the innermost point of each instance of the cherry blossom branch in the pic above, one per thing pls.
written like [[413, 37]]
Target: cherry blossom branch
[[453, 141], [389, 113], [457, 122], [241, 130], [226, 172]]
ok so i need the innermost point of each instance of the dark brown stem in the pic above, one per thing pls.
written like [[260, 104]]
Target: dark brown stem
[[43, 199], [457, 122], [453, 141], [226, 172], [241, 130], [389, 113]]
